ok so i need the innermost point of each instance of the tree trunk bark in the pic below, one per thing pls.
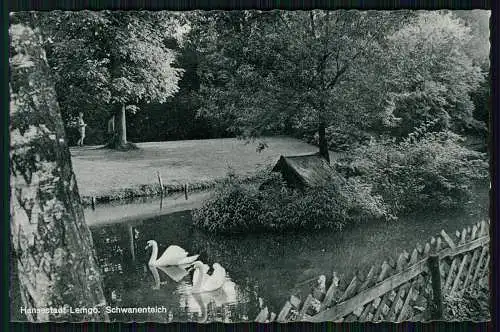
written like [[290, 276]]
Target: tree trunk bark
[[323, 143], [122, 126], [119, 138], [52, 246]]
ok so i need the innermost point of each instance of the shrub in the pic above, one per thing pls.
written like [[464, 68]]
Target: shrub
[[431, 171], [237, 208], [472, 306]]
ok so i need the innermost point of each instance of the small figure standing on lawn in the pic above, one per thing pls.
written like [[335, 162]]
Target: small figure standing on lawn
[[81, 129]]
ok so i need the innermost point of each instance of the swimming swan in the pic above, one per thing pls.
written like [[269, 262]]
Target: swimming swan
[[174, 255], [203, 282]]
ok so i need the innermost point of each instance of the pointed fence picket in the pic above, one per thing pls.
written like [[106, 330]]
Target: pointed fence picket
[[410, 288]]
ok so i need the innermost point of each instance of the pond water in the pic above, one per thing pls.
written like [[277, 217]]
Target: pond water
[[262, 269]]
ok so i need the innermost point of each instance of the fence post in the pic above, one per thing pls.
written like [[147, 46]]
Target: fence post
[[160, 182], [437, 296], [186, 190]]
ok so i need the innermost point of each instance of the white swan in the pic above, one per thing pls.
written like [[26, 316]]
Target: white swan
[[174, 255], [203, 282]]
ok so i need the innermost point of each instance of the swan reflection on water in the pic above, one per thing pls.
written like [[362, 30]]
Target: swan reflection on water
[[196, 302], [200, 303]]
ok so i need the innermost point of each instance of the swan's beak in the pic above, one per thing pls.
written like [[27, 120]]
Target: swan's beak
[[146, 248]]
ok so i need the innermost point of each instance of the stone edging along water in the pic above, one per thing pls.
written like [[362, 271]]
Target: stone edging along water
[[153, 190]]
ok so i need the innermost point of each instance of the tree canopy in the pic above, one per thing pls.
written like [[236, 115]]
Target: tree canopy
[[254, 73], [270, 72], [103, 60], [431, 74]]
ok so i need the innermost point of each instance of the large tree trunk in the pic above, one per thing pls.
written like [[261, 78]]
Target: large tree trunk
[[122, 126], [119, 138], [323, 143], [51, 243]]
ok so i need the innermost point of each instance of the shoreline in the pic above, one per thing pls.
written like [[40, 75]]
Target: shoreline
[[151, 191], [136, 211]]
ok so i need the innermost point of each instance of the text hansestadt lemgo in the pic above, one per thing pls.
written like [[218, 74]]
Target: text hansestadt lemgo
[[95, 310]]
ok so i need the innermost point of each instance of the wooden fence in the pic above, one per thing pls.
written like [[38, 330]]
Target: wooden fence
[[410, 288]]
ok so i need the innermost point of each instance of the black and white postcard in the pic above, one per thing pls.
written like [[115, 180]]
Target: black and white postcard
[[242, 166]]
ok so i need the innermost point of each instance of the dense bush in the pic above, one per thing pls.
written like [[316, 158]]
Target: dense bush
[[237, 207], [432, 171], [427, 170]]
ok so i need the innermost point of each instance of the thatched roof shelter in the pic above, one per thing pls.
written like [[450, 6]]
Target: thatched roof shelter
[[310, 170]]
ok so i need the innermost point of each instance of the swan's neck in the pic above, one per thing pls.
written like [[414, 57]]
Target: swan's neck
[[197, 278], [154, 254]]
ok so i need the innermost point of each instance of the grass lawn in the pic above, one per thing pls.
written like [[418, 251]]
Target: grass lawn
[[100, 172]]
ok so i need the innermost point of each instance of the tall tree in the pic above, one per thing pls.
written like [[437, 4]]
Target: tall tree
[[52, 246], [111, 61], [431, 74], [262, 70]]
